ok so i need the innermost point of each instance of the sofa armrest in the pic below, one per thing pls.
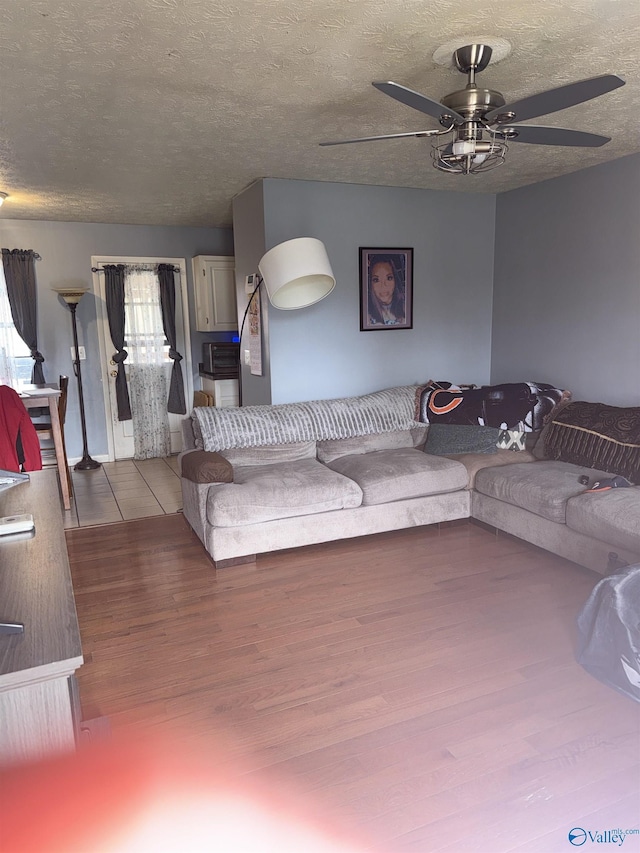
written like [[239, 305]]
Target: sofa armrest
[[202, 466]]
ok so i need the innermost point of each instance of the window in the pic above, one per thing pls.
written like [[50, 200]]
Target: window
[[16, 363], [143, 329]]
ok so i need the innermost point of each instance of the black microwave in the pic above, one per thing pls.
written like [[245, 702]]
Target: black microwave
[[220, 360]]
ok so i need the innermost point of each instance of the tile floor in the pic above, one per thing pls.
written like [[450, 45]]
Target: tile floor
[[121, 491]]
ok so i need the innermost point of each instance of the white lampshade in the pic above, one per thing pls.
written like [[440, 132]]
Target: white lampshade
[[71, 295], [297, 273]]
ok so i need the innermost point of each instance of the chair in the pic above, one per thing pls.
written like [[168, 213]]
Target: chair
[[44, 430]]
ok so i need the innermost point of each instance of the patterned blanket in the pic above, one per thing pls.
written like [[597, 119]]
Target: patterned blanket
[[515, 406], [318, 420]]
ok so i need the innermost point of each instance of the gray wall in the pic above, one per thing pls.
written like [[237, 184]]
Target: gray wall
[[320, 352], [249, 247], [567, 283], [565, 297], [66, 249]]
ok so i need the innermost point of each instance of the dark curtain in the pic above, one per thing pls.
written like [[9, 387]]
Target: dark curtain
[[114, 293], [20, 274], [176, 403]]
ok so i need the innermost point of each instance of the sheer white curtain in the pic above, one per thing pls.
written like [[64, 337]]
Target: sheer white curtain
[[148, 358]]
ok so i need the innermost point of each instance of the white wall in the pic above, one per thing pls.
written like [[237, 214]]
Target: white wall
[[567, 284], [66, 249], [320, 352]]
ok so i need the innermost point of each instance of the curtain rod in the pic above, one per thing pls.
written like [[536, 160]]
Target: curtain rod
[[141, 267], [33, 254]]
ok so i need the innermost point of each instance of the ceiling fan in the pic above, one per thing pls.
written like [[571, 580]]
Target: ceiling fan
[[480, 122]]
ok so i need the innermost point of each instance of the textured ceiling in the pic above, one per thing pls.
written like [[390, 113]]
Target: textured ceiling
[[160, 111]]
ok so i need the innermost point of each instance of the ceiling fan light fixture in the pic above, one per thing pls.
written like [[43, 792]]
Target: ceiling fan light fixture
[[463, 147], [468, 156]]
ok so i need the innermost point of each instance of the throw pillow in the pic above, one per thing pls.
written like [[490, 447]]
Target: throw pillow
[[447, 439], [201, 466], [511, 439], [597, 436]]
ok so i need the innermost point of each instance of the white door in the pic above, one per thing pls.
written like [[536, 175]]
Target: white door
[[120, 433]]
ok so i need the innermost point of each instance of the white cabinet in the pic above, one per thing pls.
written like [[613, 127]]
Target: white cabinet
[[225, 391], [215, 293]]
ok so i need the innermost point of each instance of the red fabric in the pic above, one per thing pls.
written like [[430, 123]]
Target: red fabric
[[14, 421]]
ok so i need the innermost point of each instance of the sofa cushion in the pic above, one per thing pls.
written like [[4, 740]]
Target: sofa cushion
[[200, 466], [241, 456], [542, 487], [419, 435], [268, 492], [337, 447], [393, 475], [446, 439], [612, 517], [475, 462]]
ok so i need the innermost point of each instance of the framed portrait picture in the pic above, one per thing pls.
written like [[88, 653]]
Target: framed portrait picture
[[386, 289]]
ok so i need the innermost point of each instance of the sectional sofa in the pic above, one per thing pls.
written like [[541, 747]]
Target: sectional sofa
[[262, 478]]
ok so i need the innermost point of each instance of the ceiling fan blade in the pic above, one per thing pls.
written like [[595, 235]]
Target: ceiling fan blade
[[417, 101], [555, 99], [537, 135], [417, 133]]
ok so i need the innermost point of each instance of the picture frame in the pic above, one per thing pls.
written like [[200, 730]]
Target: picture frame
[[386, 289]]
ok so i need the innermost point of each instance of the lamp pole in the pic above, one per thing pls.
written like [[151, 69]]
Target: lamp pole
[[72, 297]]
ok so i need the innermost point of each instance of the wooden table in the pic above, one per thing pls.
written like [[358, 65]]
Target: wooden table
[[37, 711], [37, 396]]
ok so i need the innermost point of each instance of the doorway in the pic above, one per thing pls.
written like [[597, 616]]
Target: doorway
[[120, 434]]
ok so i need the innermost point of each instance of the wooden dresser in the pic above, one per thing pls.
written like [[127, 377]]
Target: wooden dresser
[[38, 713]]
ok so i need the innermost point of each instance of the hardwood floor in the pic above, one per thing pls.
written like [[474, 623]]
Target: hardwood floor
[[420, 684]]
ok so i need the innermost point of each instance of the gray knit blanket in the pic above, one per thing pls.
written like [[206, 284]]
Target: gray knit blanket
[[318, 420]]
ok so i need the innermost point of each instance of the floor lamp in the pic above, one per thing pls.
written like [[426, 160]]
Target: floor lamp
[[296, 274], [72, 296]]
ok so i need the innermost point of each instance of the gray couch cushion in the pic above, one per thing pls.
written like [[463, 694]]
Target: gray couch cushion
[[239, 457], [393, 475], [541, 487], [268, 492], [475, 462], [338, 447], [612, 516]]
